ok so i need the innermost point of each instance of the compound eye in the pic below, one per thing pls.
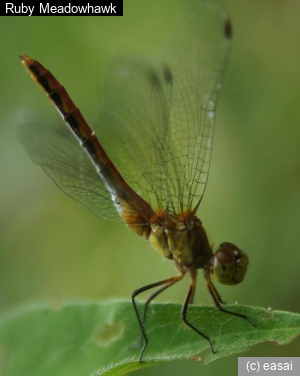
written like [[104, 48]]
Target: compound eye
[[229, 264]]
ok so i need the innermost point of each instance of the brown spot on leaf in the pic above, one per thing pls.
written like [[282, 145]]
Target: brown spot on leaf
[[109, 333], [196, 358]]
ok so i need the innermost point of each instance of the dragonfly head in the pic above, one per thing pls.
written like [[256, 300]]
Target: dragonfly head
[[229, 264]]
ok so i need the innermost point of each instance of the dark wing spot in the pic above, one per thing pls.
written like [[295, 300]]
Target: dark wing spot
[[154, 79], [228, 29], [167, 74]]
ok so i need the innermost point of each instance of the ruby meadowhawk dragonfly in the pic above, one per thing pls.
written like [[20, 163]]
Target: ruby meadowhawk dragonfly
[[147, 162]]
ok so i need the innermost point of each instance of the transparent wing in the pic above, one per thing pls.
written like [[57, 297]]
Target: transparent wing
[[156, 123], [57, 151], [162, 116]]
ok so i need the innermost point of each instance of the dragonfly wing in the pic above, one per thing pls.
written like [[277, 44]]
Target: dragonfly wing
[[195, 60], [163, 114], [56, 150], [131, 115]]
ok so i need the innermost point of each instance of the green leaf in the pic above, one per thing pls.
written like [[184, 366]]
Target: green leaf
[[96, 338]]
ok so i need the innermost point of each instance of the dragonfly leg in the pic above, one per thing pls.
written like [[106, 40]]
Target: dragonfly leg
[[216, 294], [166, 283], [188, 300], [218, 302], [148, 301]]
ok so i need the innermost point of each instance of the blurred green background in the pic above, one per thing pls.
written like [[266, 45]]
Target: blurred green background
[[52, 249]]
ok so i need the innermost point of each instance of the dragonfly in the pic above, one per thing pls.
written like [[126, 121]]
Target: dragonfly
[[147, 162]]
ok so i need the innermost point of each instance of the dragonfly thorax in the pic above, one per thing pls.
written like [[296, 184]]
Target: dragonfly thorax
[[182, 240]]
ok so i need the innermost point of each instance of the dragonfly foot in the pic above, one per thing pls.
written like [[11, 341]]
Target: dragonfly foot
[[211, 347]]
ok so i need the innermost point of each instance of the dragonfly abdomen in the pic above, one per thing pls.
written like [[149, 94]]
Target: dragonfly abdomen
[[128, 203], [71, 115]]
